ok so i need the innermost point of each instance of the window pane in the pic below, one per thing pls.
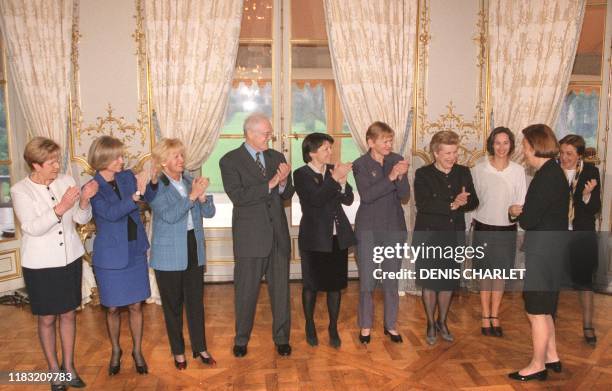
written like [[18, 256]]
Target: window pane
[[7, 223], [308, 20], [252, 59], [4, 151], [308, 108], [590, 46], [580, 114], [244, 99], [256, 19]]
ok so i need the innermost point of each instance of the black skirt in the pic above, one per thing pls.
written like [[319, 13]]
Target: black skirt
[[54, 290], [499, 243], [325, 271], [583, 259]]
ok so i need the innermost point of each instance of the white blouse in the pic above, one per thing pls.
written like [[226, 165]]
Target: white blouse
[[497, 190], [47, 241]]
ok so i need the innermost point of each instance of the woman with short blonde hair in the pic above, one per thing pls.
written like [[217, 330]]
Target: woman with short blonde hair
[[120, 246], [48, 205], [178, 253]]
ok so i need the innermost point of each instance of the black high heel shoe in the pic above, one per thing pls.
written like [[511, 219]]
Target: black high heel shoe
[[140, 369], [555, 366], [496, 330], [180, 365], [206, 360], [486, 331], [444, 333], [396, 338], [112, 368], [591, 340], [542, 375], [334, 337], [311, 334], [364, 339], [75, 380], [431, 334]]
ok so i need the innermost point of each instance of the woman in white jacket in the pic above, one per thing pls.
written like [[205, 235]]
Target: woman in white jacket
[[48, 205]]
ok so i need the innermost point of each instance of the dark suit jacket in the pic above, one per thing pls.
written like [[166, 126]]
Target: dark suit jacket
[[258, 212], [433, 193], [380, 207], [110, 248], [584, 214], [321, 201]]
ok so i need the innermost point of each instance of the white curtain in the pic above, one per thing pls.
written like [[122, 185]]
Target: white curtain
[[373, 45], [191, 47], [532, 50], [38, 37]]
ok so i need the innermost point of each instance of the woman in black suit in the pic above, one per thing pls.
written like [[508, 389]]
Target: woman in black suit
[[325, 232], [443, 192], [544, 218], [585, 204]]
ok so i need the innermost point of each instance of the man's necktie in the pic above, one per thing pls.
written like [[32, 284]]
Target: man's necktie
[[260, 164]]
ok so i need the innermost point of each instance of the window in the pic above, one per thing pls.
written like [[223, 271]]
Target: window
[[312, 104], [580, 111]]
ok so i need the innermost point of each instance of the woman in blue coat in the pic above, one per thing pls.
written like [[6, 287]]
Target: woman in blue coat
[[178, 253], [119, 249]]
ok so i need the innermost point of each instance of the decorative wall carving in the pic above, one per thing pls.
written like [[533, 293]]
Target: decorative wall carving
[[471, 127], [134, 130]]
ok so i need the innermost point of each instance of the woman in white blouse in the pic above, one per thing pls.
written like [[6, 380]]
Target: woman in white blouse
[[48, 205], [499, 183]]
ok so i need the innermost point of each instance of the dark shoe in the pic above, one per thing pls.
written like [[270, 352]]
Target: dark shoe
[[542, 375], [486, 331], [396, 338], [240, 351], [334, 338], [114, 368], [58, 387], [444, 333], [206, 360], [591, 340], [364, 339], [431, 335], [75, 380], [496, 330], [555, 366], [180, 365], [311, 334], [140, 369], [284, 349]]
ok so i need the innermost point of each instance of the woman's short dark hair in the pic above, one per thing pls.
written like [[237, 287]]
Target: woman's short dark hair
[[575, 140], [494, 133], [312, 143], [542, 139]]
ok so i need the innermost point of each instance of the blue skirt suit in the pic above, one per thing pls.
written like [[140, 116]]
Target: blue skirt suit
[[120, 246]]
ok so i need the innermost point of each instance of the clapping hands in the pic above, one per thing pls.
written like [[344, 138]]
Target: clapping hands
[[198, 189], [71, 195], [280, 178], [399, 170], [340, 172]]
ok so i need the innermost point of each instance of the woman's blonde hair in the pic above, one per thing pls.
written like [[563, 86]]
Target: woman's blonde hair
[[161, 150], [39, 150], [378, 129], [103, 151], [446, 137]]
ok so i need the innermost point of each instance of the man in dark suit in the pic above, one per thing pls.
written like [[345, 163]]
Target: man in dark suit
[[257, 181]]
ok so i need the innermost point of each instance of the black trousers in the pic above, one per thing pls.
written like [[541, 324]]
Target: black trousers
[[184, 287], [247, 280]]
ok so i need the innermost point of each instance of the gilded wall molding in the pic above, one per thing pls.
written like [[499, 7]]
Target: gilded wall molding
[[472, 132], [133, 134]]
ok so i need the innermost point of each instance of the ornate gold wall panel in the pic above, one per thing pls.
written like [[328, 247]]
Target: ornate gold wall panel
[[452, 95], [110, 92]]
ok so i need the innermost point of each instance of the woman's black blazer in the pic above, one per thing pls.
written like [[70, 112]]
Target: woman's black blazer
[[321, 200]]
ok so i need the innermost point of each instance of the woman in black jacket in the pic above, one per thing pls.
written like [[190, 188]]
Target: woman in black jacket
[[325, 232], [585, 204], [443, 192], [544, 218]]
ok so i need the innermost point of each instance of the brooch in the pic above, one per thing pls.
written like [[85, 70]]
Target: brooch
[[374, 173], [316, 180]]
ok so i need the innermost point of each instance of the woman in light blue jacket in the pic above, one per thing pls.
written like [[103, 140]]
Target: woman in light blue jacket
[[177, 253]]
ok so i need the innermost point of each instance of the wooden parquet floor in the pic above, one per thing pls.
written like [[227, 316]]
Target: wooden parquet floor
[[472, 362]]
